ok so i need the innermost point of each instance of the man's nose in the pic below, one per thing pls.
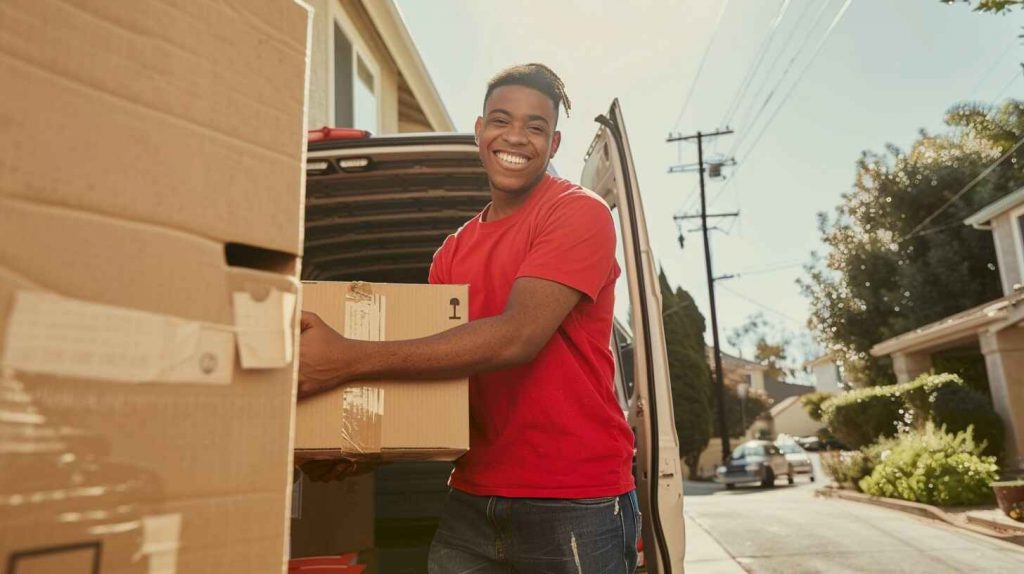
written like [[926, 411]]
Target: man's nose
[[515, 135]]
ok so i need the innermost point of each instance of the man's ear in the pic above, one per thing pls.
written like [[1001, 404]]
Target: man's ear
[[556, 140], [477, 129]]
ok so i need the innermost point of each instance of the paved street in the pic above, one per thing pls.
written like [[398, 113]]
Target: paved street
[[788, 530]]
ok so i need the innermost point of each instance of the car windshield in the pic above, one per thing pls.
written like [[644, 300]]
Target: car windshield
[[747, 450], [790, 448]]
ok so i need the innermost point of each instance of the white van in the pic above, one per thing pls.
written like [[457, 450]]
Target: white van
[[377, 208]]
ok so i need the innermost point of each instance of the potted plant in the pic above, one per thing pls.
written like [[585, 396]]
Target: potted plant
[[1010, 497]]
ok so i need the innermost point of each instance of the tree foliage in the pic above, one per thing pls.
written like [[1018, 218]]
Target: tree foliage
[[690, 374], [739, 416], [812, 403], [769, 343], [993, 6], [879, 277]]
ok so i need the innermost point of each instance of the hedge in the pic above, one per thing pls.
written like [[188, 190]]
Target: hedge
[[861, 416]]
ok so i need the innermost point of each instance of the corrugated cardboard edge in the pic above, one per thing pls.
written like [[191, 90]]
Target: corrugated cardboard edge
[[296, 322]]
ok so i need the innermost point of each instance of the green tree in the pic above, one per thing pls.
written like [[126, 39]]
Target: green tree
[[690, 374], [770, 345], [812, 403], [880, 277], [993, 6], [738, 414]]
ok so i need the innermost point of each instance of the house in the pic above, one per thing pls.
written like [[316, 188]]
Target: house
[[789, 417], [736, 370], [827, 377], [994, 328], [366, 73]]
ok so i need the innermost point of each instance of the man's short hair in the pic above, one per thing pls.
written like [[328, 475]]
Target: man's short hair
[[536, 76]]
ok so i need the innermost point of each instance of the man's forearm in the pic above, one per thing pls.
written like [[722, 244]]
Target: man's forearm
[[478, 346]]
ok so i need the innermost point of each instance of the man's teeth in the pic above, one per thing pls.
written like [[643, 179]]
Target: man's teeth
[[511, 158]]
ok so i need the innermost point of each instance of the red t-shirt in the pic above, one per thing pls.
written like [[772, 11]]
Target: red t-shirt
[[552, 428]]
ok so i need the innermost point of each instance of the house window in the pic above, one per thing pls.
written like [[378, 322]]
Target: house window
[[1020, 232], [365, 98], [355, 85]]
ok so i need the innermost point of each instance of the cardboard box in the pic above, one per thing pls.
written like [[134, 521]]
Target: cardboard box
[[386, 420], [189, 115], [332, 518], [147, 300]]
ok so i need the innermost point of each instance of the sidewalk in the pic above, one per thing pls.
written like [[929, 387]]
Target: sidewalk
[[704, 555], [987, 521]]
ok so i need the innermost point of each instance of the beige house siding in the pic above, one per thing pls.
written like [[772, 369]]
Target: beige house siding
[[790, 418], [399, 110], [1006, 243]]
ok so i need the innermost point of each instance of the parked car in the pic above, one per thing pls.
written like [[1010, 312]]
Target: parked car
[[798, 459], [809, 443], [377, 208], [814, 444], [757, 461]]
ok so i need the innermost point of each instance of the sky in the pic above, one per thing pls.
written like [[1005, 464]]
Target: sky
[[835, 78]]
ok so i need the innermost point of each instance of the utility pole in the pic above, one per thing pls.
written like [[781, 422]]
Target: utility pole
[[723, 427]]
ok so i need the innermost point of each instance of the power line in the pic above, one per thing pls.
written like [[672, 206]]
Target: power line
[[778, 58], [762, 51], [763, 306], [963, 191], [1006, 52], [703, 60], [796, 82], [792, 88], [770, 269], [1016, 76]]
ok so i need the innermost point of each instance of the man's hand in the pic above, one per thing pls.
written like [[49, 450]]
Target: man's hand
[[321, 356]]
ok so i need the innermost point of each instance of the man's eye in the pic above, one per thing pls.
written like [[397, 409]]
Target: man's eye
[[537, 130], [499, 121]]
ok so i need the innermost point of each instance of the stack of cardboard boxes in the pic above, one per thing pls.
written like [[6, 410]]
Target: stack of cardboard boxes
[[151, 185], [151, 181]]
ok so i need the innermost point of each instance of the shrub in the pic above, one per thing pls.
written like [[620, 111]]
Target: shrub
[[846, 468], [858, 418], [932, 466], [812, 403], [862, 416], [959, 407]]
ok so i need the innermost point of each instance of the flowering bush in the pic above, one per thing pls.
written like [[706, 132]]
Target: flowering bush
[[932, 466]]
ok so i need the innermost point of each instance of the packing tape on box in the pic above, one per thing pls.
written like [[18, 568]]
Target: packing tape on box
[[55, 335], [362, 419]]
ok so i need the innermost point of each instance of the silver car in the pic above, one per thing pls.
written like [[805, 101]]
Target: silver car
[[798, 459], [754, 461]]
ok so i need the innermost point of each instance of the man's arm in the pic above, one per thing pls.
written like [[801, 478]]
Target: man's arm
[[535, 310]]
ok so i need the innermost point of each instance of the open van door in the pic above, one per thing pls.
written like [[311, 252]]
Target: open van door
[[641, 358]]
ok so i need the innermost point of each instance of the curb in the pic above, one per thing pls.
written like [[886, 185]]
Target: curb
[[977, 525]]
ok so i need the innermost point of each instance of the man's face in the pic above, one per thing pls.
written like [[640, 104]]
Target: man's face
[[517, 137]]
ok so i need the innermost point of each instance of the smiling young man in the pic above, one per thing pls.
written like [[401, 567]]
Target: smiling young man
[[546, 485]]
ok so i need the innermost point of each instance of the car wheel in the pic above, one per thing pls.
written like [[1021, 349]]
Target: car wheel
[[769, 479], [789, 476], [812, 476], [730, 486]]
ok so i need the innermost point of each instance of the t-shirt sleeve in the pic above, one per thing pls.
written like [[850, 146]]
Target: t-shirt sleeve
[[440, 265], [575, 245]]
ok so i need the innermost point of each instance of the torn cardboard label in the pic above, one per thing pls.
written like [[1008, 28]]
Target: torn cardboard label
[[264, 329], [54, 335]]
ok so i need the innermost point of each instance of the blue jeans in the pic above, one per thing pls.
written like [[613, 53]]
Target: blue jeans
[[484, 534]]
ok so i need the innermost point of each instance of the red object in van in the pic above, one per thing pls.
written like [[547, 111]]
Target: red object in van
[[322, 564], [327, 133]]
